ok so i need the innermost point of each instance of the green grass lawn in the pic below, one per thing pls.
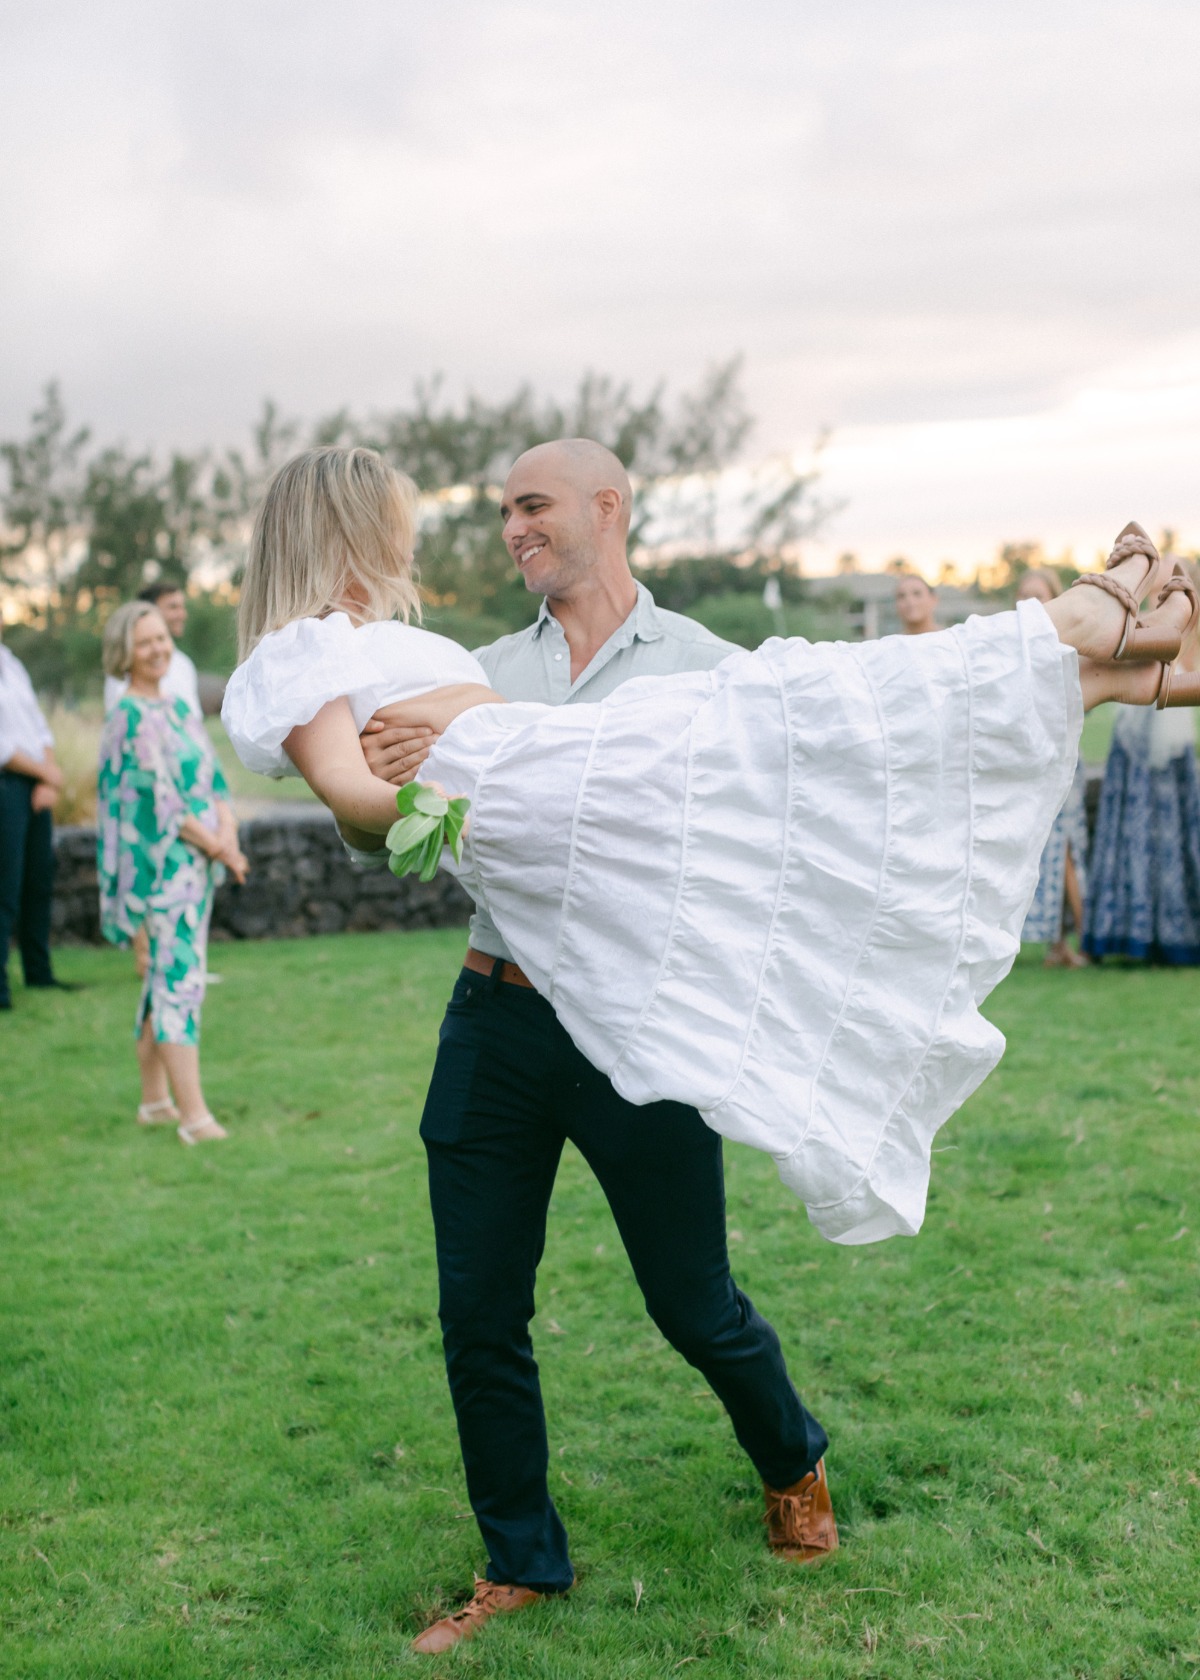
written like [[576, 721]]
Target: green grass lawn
[[226, 1447]]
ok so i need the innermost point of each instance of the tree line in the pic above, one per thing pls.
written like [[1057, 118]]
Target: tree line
[[86, 524]]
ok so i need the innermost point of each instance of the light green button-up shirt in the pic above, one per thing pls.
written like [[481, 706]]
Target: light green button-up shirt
[[535, 664]]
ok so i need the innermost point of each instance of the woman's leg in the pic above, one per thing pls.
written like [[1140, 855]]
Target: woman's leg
[[1090, 621], [175, 982], [153, 1068], [182, 1062]]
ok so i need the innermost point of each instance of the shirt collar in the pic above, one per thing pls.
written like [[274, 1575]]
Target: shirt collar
[[642, 625]]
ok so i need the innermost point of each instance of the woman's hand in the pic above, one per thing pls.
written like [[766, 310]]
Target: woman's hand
[[235, 860], [399, 738], [218, 845]]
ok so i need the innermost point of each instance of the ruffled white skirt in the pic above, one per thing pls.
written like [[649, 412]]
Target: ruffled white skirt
[[779, 891]]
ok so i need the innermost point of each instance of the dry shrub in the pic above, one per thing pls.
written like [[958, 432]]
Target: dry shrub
[[77, 748]]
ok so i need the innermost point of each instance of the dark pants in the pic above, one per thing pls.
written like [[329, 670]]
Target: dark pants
[[26, 880], [508, 1089]]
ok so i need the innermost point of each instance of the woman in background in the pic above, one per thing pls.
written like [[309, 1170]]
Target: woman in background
[[1144, 897], [1062, 877], [166, 837], [916, 605]]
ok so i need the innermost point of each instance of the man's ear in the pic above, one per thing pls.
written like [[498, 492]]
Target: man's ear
[[608, 505]]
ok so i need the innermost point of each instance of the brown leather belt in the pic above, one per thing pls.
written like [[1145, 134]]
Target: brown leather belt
[[479, 963]]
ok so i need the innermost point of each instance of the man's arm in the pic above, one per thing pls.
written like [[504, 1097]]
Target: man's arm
[[399, 738], [44, 769]]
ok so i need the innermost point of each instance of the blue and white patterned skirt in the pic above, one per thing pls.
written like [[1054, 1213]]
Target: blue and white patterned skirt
[[1044, 923], [1144, 898]]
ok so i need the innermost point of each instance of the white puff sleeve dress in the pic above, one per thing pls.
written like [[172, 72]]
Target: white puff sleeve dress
[[780, 890], [295, 671]]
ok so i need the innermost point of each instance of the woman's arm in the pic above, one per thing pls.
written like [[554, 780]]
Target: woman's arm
[[400, 737], [217, 846], [328, 755]]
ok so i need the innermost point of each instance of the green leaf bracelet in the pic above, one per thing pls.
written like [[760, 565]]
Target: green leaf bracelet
[[428, 821]]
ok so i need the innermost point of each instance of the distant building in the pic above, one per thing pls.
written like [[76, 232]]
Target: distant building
[[870, 601]]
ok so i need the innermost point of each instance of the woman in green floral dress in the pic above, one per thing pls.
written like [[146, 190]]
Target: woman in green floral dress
[[166, 837]]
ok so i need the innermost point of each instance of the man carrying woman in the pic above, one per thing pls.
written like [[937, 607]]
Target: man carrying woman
[[727, 886]]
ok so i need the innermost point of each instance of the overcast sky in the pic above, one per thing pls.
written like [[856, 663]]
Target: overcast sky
[[965, 236]]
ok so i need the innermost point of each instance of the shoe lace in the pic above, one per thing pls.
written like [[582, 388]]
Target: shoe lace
[[480, 1604], [793, 1510]]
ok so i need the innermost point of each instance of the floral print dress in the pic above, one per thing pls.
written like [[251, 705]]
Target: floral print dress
[[157, 768]]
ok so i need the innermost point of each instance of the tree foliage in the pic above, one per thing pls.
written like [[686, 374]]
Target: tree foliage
[[88, 527]]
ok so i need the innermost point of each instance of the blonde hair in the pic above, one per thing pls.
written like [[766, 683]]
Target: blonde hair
[[331, 519], [117, 648], [1048, 576]]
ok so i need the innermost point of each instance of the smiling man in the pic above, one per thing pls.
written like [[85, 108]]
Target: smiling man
[[509, 1088]]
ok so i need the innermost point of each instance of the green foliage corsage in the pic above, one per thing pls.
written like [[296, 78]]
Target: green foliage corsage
[[428, 821]]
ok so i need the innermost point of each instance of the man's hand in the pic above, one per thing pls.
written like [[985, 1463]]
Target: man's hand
[[44, 796], [395, 752], [399, 738]]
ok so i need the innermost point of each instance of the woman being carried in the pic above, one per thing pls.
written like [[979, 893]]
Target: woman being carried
[[777, 891]]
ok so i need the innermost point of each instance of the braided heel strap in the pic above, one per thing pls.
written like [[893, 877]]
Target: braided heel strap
[[1176, 687], [1138, 641], [1132, 540], [1179, 583]]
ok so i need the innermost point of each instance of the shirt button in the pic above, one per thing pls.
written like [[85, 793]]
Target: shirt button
[[558, 656]]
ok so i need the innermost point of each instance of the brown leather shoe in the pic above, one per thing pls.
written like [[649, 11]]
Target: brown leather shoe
[[491, 1599], [799, 1518]]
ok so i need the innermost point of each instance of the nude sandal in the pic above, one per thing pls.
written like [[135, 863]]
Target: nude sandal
[[1139, 641], [1177, 687], [203, 1130], [161, 1113]]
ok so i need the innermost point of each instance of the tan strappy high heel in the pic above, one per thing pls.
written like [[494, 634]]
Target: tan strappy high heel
[[1176, 687], [1140, 642]]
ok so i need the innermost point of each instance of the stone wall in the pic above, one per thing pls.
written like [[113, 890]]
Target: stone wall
[[301, 882]]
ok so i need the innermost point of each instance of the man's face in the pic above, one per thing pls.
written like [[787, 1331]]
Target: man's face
[[914, 601], [173, 607], [549, 528]]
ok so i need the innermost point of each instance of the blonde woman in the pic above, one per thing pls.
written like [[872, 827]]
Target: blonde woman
[[166, 837], [1062, 875], [775, 892]]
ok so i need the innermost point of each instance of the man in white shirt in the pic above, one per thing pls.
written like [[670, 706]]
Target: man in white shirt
[[509, 1088], [30, 781], [180, 681]]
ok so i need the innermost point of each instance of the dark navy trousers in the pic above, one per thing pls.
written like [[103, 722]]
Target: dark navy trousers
[[508, 1089], [26, 880]]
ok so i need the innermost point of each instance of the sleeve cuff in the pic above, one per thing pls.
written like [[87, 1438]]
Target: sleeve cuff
[[366, 860]]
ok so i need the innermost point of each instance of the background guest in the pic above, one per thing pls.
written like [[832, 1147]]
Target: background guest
[[1062, 879], [166, 836], [180, 681], [1144, 893], [916, 605], [30, 781]]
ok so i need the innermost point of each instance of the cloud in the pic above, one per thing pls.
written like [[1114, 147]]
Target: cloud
[[940, 212]]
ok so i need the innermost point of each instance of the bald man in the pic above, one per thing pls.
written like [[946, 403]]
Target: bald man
[[509, 1088]]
